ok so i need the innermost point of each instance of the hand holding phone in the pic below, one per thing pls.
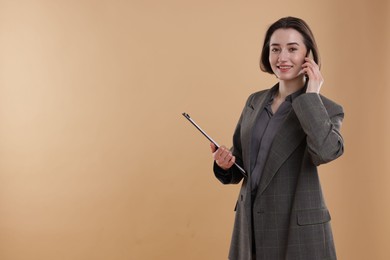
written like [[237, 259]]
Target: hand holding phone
[[312, 73]]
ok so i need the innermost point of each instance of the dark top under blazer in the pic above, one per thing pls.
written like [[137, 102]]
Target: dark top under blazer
[[290, 217]]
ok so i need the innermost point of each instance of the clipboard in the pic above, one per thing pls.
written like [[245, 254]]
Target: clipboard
[[187, 116]]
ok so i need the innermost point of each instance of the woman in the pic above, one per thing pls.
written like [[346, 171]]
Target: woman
[[283, 134]]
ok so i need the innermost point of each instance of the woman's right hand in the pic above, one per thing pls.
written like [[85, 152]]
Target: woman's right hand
[[222, 156]]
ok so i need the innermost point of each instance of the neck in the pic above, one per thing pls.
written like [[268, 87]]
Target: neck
[[287, 87]]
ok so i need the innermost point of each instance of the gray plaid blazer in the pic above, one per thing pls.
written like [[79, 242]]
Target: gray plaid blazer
[[288, 216]]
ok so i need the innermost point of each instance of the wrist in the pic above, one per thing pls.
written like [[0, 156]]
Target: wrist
[[313, 90]]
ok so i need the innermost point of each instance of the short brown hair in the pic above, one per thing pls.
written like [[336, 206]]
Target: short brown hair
[[288, 23]]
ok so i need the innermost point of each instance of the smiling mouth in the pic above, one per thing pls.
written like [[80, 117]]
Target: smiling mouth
[[284, 67]]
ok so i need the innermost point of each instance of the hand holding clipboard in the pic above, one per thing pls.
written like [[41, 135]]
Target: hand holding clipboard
[[210, 139]]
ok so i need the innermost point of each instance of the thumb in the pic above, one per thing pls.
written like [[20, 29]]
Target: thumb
[[213, 148]]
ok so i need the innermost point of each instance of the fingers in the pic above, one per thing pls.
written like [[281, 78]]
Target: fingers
[[223, 157], [310, 66], [213, 147], [311, 69]]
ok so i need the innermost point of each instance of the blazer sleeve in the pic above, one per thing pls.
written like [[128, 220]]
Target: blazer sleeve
[[321, 120]]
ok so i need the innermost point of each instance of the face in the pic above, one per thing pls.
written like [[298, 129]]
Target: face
[[287, 54]]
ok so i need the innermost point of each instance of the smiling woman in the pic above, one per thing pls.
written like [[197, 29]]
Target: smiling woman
[[283, 134]]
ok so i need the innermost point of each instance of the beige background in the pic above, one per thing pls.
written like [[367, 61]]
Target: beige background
[[96, 161]]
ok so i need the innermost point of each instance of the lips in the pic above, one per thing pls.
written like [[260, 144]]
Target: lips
[[284, 68]]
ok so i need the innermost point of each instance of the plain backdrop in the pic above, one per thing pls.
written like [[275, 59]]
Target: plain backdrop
[[96, 160]]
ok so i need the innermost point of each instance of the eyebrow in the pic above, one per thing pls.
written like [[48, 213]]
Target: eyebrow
[[290, 43]]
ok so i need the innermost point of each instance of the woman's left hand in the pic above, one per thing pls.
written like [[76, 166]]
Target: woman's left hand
[[311, 69]]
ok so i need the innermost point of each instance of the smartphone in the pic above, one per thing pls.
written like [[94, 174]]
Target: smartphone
[[310, 54]]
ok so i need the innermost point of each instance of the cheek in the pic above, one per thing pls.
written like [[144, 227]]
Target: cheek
[[299, 59], [272, 60]]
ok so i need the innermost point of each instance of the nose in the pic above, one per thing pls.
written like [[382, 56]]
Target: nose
[[283, 55]]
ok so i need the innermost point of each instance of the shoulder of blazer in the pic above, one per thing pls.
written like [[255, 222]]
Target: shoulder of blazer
[[254, 98], [331, 106]]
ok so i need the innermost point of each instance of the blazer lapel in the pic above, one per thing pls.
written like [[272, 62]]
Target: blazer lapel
[[257, 106], [289, 136]]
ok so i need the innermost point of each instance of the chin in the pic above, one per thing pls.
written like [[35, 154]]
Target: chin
[[289, 77]]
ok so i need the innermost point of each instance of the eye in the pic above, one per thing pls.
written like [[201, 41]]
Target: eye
[[292, 49], [274, 50]]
